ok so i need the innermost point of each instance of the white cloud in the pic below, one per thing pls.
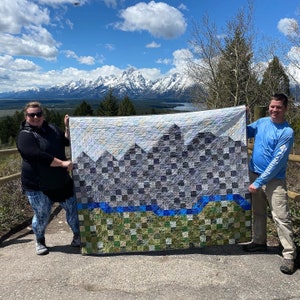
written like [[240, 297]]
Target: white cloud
[[182, 7], [24, 65], [22, 31], [179, 61], [294, 54], [110, 47], [111, 3], [21, 65], [29, 45], [15, 15], [5, 61], [151, 74], [86, 60], [16, 72], [159, 19], [20, 74], [153, 45], [288, 26], [70, 53], [106, 71], [293, 67], [180, 58], [100, 59], [164, 61], [69, 24]]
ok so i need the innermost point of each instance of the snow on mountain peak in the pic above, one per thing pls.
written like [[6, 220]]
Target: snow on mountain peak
[[130, 82]]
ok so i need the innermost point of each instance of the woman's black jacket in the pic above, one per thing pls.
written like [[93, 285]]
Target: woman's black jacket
[[38, 147]]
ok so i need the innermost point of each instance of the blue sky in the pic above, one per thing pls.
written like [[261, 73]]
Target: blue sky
[[49, 42]]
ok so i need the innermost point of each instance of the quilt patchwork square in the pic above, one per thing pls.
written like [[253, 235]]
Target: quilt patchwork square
[[161, 182]]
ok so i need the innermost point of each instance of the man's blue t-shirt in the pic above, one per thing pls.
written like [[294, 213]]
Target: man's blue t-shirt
[[273, 143]]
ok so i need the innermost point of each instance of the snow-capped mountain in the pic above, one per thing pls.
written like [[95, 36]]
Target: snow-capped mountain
[[130, 82]]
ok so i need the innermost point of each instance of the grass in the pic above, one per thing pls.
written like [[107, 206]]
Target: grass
[[14, 207]]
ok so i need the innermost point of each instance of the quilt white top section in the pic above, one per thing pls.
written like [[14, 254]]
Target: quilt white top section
[[96, 135]]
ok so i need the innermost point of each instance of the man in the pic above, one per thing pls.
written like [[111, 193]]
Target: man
[[45, 172], [273, 141]]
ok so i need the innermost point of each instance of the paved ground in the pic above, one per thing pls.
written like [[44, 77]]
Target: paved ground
[[209, 273]]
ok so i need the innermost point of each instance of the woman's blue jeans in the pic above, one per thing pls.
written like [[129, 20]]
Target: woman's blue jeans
[[42, 205]]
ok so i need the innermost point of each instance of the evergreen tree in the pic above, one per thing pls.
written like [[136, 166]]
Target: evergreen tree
[[153, 111], [7, 129], [109, 106], [18, 118], [126, 107], [275, 80], [236, 82], [84, 109], [54, 117]]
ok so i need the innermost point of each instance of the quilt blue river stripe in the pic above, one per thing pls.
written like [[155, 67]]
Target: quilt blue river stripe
[[196, 209]]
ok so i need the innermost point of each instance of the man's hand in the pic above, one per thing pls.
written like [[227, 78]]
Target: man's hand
[[252, 188]]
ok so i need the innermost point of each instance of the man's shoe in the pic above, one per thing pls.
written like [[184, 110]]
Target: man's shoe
[[253, 247], [40, 247], [288, 266], [76, 242]]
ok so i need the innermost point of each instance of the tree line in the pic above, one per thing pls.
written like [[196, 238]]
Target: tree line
[[109, 106]]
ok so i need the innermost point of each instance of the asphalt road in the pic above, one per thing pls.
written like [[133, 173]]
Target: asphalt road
[[223, 272]]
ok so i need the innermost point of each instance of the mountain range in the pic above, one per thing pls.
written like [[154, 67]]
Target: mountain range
[[129, 83]]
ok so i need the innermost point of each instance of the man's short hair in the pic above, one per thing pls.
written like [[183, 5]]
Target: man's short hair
[[280, 97]]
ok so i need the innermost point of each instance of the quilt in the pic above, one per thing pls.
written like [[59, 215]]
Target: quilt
[[161, 182]]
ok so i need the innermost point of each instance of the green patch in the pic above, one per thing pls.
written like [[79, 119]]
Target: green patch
[[117, 233]]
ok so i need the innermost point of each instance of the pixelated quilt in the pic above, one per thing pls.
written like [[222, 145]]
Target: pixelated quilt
[[161, 182]]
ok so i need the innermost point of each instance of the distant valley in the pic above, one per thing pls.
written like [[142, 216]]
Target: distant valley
[[10, 106]]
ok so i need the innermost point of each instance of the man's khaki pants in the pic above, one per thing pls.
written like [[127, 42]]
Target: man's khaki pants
[[273, 194]]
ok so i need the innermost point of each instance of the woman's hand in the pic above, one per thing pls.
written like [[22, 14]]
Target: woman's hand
[[67, 164], [62, 163], [67, 129], [66, 121]]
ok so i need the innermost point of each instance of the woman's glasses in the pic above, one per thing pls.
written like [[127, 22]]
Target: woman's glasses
[[32, 115]]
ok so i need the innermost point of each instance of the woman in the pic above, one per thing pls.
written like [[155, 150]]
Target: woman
[[45, 172]]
